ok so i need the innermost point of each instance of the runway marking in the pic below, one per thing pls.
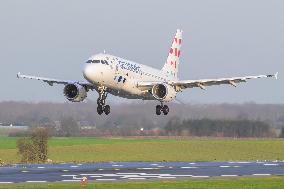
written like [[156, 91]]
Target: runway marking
[[224, 166], [105, 179], [192, 163], [167, 177], [130, 173], [39, 181], [261, 174], [40, 167], [270, 164], [117, 165], [116, 169], [236, 166], [188, 167], [24, 171], [101, 169], [71, 180], [160, 166], [74, 166], [6, 182], [68, 175], [147, 168], [65, 170], [229, 175], [136, 178], [154, 164], [96, 176], [200, 176]]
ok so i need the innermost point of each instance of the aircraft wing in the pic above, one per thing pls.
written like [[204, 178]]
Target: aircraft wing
[[203, 83], [51, 81]]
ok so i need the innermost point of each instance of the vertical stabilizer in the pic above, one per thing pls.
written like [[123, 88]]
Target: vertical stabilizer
[[172, 63]]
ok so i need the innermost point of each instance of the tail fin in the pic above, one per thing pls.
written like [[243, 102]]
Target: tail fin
[[172, 63]]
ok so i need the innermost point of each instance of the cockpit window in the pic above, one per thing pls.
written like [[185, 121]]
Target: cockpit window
[[98, 61], [104, 62]]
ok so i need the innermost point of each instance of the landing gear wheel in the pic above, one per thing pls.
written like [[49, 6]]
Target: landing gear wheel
[[101, 101], [100, 109], [166, 110], [158, 109], [107, 109]]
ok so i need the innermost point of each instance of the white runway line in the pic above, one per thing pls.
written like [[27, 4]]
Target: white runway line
[[188, 167], [6, 182], [74, 166], [40, 167], [96, 176], [160, 166], [154, 164], [224, 166], [192, 163], [101, 169], [200, 176], [117, 165], [24, 171], [136, 178], [229, 175], [105, 179], [147, 168], [167, 177], [130, 173], [68, 175], [65, 170], [33, 181], [71, 180], [261, 174], [270, 164]]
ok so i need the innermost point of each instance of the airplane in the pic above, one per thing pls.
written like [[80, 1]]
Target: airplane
[[109, 74]]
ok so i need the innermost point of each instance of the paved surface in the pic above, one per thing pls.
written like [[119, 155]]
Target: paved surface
[[136, 171]]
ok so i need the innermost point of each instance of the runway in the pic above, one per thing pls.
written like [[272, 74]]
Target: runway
[[136, 171]]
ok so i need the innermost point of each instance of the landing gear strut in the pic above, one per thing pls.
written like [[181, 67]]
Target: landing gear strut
[[162, 108], [102, 101]]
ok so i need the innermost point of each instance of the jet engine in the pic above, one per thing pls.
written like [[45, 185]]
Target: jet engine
[[164, 92], [75, 92]]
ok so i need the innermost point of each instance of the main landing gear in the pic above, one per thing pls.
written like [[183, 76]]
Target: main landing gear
[[162, 108], [102, 101]]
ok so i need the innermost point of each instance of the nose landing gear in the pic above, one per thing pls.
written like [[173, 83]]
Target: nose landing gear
[[101, 102], [162, 108]]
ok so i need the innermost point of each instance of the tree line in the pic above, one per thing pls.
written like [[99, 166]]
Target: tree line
[[218, 128]]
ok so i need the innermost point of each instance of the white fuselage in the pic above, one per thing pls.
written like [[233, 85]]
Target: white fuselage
[[121, 76]]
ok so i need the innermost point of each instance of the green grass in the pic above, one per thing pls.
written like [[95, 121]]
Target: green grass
[[105, 150], [243, 183]]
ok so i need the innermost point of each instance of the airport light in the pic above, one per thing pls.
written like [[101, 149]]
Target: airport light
[[84, 180]]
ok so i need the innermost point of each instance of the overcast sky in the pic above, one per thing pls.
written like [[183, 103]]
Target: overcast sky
[[222, 38]]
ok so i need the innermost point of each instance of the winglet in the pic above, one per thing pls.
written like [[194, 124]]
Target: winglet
[[18, 74], [276, 75]]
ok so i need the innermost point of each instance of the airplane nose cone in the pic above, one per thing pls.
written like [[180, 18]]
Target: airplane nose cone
[[87, 72]]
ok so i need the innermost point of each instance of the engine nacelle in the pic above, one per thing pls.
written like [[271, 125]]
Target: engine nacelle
[[75, 92], [164, 92]]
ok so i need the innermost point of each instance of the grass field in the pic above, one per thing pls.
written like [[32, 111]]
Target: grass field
[[243, 183], [105, 150]]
